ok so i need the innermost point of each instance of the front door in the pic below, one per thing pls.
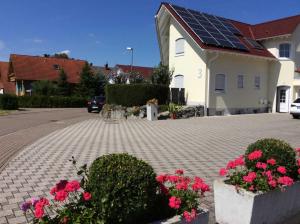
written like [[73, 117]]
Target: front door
[[283, 99]]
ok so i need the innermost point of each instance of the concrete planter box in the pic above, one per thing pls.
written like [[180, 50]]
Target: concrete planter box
[[152, 112], [244, 207], [201, 218]]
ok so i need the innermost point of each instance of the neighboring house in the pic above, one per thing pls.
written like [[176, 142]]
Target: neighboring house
[[23, 70], [228, 66], [5, 85]]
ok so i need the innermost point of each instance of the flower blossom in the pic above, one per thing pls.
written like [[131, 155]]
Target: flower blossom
[[285, 180], [272, 183], [271, 161], [261, 165], [281, 169], [174, 202], [255, 155], [189, 216], [223, 172], [161, 178], [61, 195], [250, 177], [183, 185], [87, 196], [25, 206], [179, 172], [72, 186]]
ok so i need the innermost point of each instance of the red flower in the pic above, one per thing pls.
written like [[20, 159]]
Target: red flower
[[61, 185], [179, 172], [189, 216], [72, 186], [250, 177], [298, 162], [255, 155], [223, 172], [281, 169], [163, 189], [251, 188], [44, 201], [271, 161], [53, 190], [272, 183], [61, 195], [268, 174], [174, 202], [239, 161], [39, 212], [173, 179], [261, 165], [87, 196], [183, 185], [285, 180], [231, 165]]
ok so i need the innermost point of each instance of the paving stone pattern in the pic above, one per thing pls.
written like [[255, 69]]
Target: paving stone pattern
[[200, 146]]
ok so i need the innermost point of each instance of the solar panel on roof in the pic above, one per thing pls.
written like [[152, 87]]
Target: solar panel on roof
[[254, 43], [211, 30]]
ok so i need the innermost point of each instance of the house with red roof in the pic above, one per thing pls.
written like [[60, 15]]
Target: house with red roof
[[230, 66], [21, 71]]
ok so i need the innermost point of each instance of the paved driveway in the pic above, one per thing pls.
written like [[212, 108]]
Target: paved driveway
[[200, 146]]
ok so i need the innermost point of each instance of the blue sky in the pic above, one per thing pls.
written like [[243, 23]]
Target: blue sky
[[99, 31]]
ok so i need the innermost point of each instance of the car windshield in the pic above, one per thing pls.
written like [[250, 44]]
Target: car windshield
[[297, 100]]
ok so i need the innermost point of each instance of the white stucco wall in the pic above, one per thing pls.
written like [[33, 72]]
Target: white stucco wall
[[191, 64], [296, 41], [233, 97]]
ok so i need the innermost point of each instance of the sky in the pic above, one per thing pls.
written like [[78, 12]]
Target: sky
[[99, 31]]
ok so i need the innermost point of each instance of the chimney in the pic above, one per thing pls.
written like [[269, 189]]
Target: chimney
[[106, 66]]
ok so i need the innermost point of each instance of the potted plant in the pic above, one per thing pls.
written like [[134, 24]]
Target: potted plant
[[172, 110], [260, 186], [184, 195]]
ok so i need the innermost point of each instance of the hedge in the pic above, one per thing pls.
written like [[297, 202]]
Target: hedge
[[136, 94], [51, 102], [8, 102]]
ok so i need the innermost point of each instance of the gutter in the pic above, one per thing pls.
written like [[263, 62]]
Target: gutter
[[207, 86]]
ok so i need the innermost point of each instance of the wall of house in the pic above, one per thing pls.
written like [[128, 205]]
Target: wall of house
[[296, 41], [234, 100], [191, 64]]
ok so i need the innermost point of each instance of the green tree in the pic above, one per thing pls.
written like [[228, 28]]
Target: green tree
[[135, 77], [63, 86], [100, 82], [44, 87], [61, 55], [162, 75]]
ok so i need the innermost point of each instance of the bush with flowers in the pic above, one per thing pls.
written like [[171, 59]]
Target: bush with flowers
[[268, 164], [184, 193]]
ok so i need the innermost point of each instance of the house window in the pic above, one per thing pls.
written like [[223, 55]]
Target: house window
[[240, 81], [56, 67], [284, 50], [220, 83], [179, 46], [257, 82], [178, 81]]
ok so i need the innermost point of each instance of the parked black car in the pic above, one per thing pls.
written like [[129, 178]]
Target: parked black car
[[96, 104]]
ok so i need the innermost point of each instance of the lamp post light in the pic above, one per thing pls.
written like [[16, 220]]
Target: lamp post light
[[131, 49]]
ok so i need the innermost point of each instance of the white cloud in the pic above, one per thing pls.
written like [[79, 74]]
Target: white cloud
[[2, 45], [68, 52]]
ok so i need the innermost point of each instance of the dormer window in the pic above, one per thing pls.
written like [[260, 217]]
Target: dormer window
[[179, 46], [56, 67], [284, 50]]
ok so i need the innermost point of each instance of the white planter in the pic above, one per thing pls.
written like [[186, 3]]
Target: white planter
[[201, 218], [151, 112], [245, 207]]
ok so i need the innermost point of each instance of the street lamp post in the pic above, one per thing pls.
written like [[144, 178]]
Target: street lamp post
[[131, 49]]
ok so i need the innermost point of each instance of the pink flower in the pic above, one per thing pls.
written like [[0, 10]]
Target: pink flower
[[223, 172], [298, 162], [251, 188], [87, 196], [72, 186], [297, 149], [173, 179], [61, 195], [255, 155], [239, 161], [179, 172], [189, 216], [53, 190], [183, 185], [163, 189], [268, 174], [39, 212], [272, 183], [261, 165], [271, 161], [44, 201], [250, 177], [174, 202], [285, 180], [281, 169], [161, 178]]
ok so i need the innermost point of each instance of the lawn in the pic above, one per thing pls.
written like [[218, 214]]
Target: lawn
[[4, 112]]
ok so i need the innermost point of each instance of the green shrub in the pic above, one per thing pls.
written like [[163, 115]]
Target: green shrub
[[123, 188], [136, 94], [8, 102], [51, 101], [163, 108], [279, 150]]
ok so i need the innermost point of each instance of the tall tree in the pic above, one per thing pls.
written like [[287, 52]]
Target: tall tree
[[63, 86], [44, 87], [162, 75]]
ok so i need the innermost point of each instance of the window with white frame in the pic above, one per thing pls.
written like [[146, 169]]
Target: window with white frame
[[220, 83], [179, 46], [284, 50], [240, 81], [178, 81], [257, 82]]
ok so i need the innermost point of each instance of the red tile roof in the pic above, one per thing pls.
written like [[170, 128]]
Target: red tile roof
[[275, 28], [9, 87], [146, 72], [43, 68], [259, 31], [298, 70]]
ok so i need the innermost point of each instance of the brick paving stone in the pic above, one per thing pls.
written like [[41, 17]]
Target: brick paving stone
[[201, 146]]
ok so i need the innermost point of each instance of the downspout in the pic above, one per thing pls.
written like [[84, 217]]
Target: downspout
[[207, 89]]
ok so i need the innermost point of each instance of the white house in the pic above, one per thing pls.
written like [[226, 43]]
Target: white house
[[228, 66]]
